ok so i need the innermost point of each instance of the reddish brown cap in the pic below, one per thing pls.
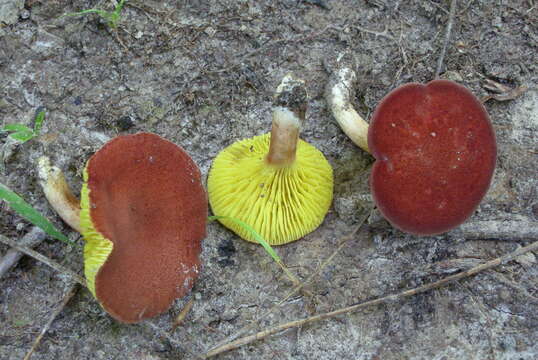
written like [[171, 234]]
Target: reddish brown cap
[[147, 198], [435, 150]]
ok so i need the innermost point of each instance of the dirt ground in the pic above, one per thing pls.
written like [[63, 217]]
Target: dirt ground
[[202, 74]]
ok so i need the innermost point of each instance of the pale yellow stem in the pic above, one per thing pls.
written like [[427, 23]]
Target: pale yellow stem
[[58, 193]]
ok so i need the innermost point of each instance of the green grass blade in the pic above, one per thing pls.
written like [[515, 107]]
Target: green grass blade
[[119, 6], [15, 127], [262, 242], [111, 17], [38, 123], [114, 17], [252, 232], [29, 213]]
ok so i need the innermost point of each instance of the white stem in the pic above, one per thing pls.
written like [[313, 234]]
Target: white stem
[[288, 115], [58, 193], [338, 95]]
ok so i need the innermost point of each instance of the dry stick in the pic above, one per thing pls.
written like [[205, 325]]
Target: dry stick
[[516, 229], [12, 256], [386, 299], [182, 314], [383, 33], [513, 229], [447, 37], [70, 293], [343, 240], [53, 264]]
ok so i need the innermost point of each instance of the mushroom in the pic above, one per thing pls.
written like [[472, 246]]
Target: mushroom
[[143, 216], [281, 186], [434, 146]]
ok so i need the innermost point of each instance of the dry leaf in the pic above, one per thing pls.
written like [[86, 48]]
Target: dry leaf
[[503, 92]]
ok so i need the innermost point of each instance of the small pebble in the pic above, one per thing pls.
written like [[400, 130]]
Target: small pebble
[[25, 14]]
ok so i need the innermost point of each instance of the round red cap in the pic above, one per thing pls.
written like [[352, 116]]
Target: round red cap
[[435, 155]]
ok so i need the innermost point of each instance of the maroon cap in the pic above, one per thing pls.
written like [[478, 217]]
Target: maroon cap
[[435, 150], [147, 198]]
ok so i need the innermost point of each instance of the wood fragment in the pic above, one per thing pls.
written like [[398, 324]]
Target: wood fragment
[[40, 257], [496, 87], [502, 92], [68, 296], [12, 256], [382, 300], [182, 314], [384, 33], [516, 229]]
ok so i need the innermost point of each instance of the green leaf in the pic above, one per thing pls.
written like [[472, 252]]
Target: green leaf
[[22, 136], [15, 127], [38, 123], [29, 213]]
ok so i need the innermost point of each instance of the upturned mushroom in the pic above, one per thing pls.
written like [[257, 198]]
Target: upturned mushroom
[[143, 216], [278, 184], [434, 146]]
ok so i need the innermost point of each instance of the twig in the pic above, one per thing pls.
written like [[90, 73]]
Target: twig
[[515, 228], [383, 33], [343, 240], [438, 6], [70, 293], [182, 314], [385, 299], [40, 257], [519, 228], [12, 256], [447, 37], [510, 94]]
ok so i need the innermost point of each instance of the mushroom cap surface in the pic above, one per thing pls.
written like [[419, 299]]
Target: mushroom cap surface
[[281, 203], [435, 156], [143, 216]]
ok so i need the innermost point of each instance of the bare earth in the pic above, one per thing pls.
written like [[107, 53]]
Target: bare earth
[[202, 74]]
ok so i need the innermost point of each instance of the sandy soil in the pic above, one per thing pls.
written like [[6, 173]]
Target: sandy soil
[[202, 74]]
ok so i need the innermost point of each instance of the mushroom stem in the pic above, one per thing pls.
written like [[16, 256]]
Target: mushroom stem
[[289, 107], [58, 193], [338, 95]]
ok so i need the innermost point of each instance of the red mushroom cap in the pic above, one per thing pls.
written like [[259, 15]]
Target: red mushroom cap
[[435, 150], [147, 198]]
